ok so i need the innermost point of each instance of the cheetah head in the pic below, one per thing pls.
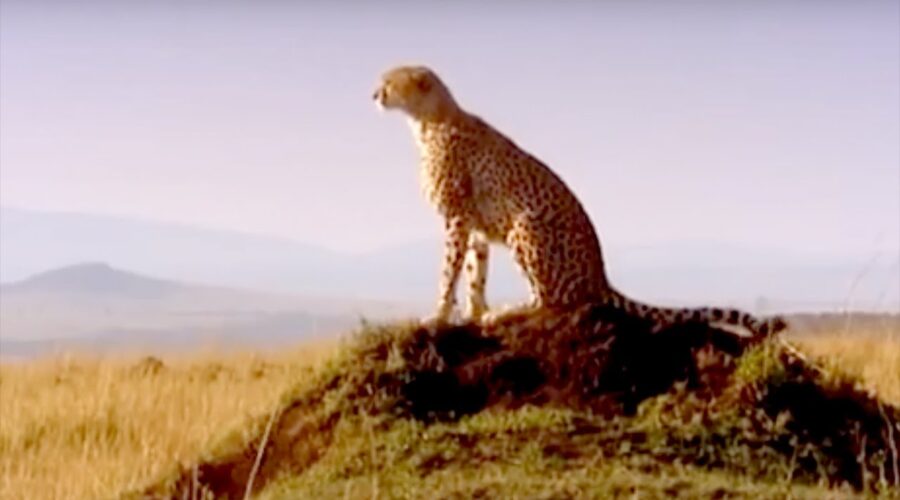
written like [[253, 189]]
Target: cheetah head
[[415, 90]]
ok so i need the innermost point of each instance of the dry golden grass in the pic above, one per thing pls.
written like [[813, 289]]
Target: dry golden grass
[[90, 428], [79, 427], [872, 355]]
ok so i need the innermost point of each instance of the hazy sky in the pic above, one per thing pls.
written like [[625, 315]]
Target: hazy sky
[[765, 123]]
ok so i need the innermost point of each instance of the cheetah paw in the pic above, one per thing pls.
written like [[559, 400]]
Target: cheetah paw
[[493, 317], [439, 320]]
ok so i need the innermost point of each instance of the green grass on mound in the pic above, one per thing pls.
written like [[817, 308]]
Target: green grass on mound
[[587, 403]]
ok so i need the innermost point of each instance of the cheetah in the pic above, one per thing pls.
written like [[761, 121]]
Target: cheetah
[[489, 190]]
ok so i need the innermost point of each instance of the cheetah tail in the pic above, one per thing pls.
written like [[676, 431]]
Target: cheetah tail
[[758, 327]]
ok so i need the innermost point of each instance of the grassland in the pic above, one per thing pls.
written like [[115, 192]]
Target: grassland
[[874, 357], [77, 427], [82, 427]]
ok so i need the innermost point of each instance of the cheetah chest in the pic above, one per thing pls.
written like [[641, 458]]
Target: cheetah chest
[[493, 201], [458, 176]]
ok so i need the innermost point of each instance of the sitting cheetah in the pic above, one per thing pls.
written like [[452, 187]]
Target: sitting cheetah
[[489, 190]]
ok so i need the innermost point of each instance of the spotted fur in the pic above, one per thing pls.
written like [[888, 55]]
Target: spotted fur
[[487, 189]]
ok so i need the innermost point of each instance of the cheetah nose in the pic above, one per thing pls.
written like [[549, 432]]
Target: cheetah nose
[[376, 95]]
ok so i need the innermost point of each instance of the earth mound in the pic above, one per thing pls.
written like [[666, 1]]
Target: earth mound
[[562, 389]]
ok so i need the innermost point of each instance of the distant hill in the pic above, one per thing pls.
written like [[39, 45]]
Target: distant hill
[[94, 306], [32, 242], [94, 278]]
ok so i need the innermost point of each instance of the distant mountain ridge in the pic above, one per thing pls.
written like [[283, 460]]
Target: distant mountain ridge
[[32, 242], [96, 307], [673, 273], [94, 278]]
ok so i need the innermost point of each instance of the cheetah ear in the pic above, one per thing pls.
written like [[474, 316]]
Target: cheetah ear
[[423, 83]]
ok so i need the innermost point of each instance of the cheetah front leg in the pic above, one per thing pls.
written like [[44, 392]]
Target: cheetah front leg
[[524, 250], [456, 236], [476, 272]]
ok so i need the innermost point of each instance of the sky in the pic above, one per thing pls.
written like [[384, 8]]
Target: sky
[[762, 123]]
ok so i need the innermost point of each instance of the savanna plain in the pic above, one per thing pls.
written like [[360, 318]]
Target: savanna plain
[[79, 426]]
